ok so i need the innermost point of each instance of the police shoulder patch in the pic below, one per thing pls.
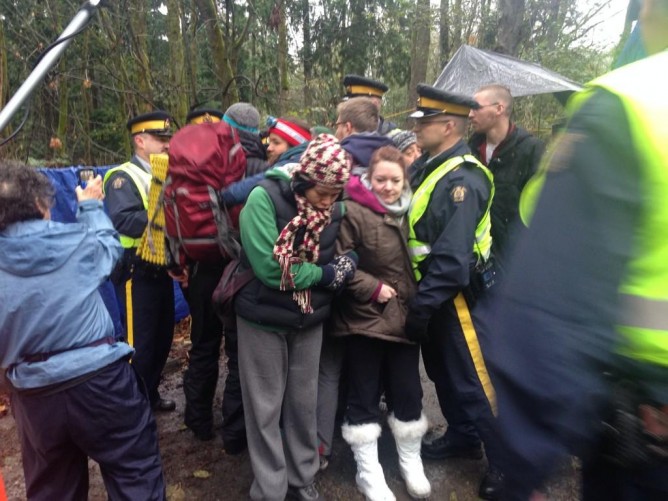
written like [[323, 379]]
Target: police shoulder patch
[[458, 194], [118, 183]]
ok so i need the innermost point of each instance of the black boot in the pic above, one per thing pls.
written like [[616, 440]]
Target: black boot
[[491, 486], [443, 447]]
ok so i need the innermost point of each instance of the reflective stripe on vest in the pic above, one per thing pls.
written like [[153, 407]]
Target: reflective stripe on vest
[[142, 181], [643, 323], [419, 250]]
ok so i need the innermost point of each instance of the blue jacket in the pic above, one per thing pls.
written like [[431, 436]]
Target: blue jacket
[[49, 275], [237, 193], [362, 145]]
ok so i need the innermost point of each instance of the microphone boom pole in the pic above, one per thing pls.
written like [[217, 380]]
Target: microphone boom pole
[[48, 61]]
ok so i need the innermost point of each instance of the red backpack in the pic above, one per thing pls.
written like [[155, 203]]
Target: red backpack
[[203, 159]]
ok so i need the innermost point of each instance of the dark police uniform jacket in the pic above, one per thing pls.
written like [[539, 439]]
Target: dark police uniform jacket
[[457, 204]]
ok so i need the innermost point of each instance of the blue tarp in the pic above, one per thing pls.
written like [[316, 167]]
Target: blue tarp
[[64, 210]]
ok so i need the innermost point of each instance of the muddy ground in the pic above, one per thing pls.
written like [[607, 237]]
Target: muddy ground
[[197, 470]]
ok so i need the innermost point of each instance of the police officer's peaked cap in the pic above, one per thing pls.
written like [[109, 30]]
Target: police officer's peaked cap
[[204, 115], [158, 123], [433, 101], [357, 86]]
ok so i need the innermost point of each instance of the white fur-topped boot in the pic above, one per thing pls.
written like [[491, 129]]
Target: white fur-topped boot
[[363, 440], [408, 437]]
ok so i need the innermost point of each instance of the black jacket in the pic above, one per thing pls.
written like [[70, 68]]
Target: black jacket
[[513, 163], [456, 206], [256, 154], [264, 305]]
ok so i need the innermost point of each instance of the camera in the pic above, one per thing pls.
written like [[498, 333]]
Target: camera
[[85, 175]]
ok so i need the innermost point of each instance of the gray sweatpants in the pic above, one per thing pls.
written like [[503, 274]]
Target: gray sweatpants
[[331, 360], [279, 379]]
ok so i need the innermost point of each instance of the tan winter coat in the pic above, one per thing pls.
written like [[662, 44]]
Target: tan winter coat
[[380, 242]]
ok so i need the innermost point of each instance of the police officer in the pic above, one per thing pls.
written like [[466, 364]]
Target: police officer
[[449, 239], [582, 351], [358, 86], [145, 291]]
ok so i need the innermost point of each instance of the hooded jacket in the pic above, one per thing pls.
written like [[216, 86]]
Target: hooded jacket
[[256, 155], [380, 243], [49, 302], [361, 146]]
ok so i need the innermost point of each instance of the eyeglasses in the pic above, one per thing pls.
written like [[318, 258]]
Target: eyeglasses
[[481, 106], [336, 124]]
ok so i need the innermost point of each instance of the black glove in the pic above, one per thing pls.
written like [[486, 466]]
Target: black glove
[[339, 271], [416, 327]]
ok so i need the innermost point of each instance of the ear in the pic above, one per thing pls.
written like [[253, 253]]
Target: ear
[[43, 208], [349, 128]]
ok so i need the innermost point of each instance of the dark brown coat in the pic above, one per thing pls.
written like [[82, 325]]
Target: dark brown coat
[[380, 242]]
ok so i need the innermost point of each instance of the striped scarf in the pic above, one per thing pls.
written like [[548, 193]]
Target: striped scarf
[[314, 221]]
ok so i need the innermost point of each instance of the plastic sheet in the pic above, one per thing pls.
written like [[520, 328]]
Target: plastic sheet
[[471, 68]]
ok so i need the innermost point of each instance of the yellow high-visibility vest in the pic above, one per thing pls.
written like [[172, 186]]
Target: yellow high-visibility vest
[[142, 180], [643, 322], [418, 249]]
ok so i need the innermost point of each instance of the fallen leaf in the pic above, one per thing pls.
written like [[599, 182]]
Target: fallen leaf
[[201, 474]]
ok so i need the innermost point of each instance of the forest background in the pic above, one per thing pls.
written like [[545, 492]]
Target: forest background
[[285, 57]]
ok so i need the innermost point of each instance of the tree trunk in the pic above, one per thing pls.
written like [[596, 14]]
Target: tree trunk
[[221, 64], [178, 98], [307, 54], [4, 82], [189, 41], [444, 32], [142, 71], [419, 48], [283, 61], [355, 53], [509, 33], [457, 20]]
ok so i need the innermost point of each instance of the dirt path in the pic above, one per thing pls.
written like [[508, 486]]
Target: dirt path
[[202, 471]]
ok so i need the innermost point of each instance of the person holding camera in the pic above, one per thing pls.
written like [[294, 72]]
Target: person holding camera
[[450, 244], [74, 395]]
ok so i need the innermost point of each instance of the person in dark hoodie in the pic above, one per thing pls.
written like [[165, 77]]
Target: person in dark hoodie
[[245, 118], [73, 393], [356, 124], [510, 153]]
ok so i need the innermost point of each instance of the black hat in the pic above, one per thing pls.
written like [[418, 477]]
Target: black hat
[[158, 123], [433, 101], [204, 115], [357, 86]]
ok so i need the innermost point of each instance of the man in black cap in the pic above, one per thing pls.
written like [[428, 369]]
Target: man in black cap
[[357, 86], [450, 244], [145, 291]]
